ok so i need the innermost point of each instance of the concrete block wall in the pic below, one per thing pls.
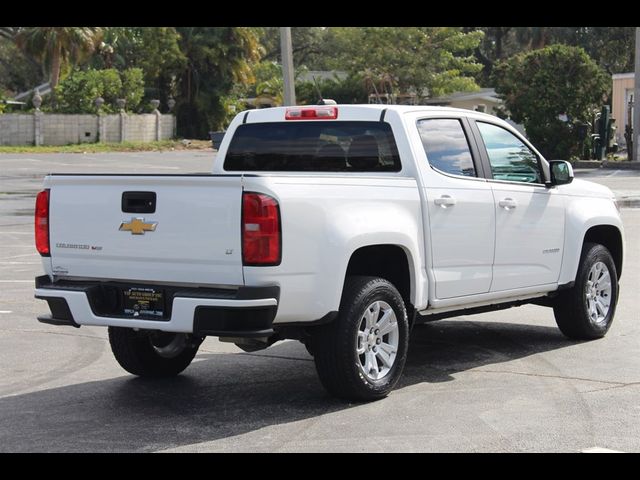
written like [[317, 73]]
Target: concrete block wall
[[87, 128], [17, 129], [141, 128], [167, 127], [111, 129], [65, 129]]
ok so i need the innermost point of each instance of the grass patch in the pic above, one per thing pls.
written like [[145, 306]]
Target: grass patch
[[112, 147]]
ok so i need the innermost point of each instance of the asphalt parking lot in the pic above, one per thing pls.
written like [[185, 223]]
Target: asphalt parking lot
[[501, 382]]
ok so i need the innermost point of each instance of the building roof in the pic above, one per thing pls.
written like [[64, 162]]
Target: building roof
[[322, 75], [617, 76], [487, 94]]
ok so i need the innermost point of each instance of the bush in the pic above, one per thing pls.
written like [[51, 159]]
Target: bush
[[77, 92], [539, 86]]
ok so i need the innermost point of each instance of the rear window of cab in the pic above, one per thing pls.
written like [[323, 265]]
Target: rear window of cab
[[313, 146]]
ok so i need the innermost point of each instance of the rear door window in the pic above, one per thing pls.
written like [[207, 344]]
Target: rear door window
[[446, 146], [313, 146]]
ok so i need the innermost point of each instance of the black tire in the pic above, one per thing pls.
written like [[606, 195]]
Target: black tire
[[571, 306], [334, 345], [135, 352]]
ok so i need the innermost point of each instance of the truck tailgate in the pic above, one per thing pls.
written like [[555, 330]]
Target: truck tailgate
[[193, 236]]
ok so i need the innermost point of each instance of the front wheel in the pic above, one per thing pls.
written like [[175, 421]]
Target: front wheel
[[361, 354], [586, 311], [152, 354]]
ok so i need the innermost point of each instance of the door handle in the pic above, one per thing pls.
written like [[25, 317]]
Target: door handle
[[445, 201], [508, 203]]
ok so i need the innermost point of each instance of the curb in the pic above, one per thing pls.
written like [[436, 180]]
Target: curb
[[606, 164], [622, 165]]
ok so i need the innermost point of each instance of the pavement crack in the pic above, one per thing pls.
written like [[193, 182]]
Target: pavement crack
[[283, 357], [631, 384], [562, 377]]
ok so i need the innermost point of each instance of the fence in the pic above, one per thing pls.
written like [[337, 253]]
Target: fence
[[40, 128]]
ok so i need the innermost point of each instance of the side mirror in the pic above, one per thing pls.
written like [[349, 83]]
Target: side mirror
[[561, 172]]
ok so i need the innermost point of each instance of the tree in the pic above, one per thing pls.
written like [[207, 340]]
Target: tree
[[8, 33], [155, 50], [79, 90], [610, 47], [17, 71], [269, 81], [309, 45], [56, 47], [219, 58], [349, 90], [438, 59], [541, 85]]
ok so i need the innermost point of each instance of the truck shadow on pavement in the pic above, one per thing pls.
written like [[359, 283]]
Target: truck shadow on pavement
[[225, 395]]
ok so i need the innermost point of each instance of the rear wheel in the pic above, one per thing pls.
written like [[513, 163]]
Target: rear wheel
[[361, 355], [152, 353], [586, 311]]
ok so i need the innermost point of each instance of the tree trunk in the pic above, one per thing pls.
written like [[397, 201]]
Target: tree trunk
[[499, 43], [55, 73]]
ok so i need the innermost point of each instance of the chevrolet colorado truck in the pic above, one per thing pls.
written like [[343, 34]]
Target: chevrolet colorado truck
[[340, 226]]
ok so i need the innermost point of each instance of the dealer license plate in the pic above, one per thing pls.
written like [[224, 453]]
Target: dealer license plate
[[143, 302]]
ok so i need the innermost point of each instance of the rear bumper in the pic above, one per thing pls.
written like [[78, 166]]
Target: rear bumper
[[233, 312]]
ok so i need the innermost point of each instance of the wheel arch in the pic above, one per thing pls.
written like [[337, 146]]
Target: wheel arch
[[610, 237], [389, 261]]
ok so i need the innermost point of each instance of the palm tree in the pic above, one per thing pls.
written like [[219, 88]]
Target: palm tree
[[57, 46], [8, 32]]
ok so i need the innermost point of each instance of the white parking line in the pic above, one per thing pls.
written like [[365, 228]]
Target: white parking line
[[6, 311], [19, 263], [16, 281], [600, 450], [22, 255]]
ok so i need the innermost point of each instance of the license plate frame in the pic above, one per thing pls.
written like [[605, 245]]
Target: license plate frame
[[143, 302]]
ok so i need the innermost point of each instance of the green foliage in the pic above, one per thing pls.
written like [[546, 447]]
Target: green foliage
[[352, 90], [268, 81], [612, 48], [219, 60], [540, 85], [17, 71], [57, 47], [399, 60], [155, 50], [309, 46], [132, 87], [208, 70], [77, 92]]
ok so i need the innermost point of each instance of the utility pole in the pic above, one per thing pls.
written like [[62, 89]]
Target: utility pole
[[287, 66], [636, 102]]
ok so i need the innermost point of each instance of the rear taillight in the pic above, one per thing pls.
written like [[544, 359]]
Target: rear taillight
[[311, 113], [42, 223], [261, 242]]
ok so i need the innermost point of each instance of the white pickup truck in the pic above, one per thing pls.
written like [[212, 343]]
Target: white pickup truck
[[339, 226]]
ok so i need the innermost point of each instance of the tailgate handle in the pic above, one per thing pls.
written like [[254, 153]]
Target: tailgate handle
[[139, 202]]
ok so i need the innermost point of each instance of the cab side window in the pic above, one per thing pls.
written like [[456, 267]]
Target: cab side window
[[510, 159], [446, 146]]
